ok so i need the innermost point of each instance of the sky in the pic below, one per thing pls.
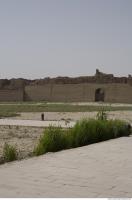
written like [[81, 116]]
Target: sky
[[49, 38]]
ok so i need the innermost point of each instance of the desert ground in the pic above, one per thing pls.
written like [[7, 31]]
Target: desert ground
[[73, 116], [23, 138]]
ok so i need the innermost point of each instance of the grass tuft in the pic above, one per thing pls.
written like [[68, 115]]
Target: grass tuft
[[9, 153]]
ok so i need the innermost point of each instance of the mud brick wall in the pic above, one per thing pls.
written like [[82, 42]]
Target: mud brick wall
[[54, 92], [121, 93], [60, 92], [11, 95], [66, 89], [113, 93]]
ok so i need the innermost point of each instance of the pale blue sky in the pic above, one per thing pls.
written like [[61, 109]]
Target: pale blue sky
[[40, 38]]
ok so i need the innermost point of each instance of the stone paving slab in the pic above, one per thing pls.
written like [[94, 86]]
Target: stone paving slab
[[98, 170]]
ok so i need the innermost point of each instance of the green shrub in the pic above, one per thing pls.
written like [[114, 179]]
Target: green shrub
[[83, 133], [91, 131], [52, 140], [9, 153], [121, 128], [86, 131]]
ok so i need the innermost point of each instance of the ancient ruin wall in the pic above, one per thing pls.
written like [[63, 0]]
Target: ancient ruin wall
[[121, 93], [11, 95], [65, 89]]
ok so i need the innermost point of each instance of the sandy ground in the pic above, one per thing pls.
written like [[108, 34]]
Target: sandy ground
[[23, 138], [73, 116], [37, 123]]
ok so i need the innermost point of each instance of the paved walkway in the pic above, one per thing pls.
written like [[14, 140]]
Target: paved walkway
[[36, 123], [98, 170]]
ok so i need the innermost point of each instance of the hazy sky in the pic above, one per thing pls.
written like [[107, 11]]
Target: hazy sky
[[40, 38]]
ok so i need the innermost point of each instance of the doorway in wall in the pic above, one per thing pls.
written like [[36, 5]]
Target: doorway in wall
[[99, 94]]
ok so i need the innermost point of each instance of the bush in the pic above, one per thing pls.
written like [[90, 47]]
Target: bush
[[86, 131], [9, 153], [91, 131], [52, 140]]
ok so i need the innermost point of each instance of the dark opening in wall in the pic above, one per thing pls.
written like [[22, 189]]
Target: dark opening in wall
[[99, 94]]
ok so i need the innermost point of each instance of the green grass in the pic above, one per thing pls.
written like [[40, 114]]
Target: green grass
[[4, 113], [13, 109], [53, 140], [83, 133], [9, 153]]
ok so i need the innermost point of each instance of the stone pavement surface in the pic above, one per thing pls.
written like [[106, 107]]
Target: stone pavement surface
[[98, 170], [35, 123]]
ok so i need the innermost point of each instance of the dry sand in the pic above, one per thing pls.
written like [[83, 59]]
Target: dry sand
[[24, 138], [73, 116]]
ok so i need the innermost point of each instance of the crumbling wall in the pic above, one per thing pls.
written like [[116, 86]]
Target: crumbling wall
[[65, 89], [99, 77]]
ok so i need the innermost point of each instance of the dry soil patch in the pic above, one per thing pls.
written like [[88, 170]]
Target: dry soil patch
[[24, 138]]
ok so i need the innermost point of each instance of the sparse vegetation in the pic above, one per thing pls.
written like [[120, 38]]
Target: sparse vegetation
[[83, 133], [6, 113], [101, 115], [9, 153], [13, 109]]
